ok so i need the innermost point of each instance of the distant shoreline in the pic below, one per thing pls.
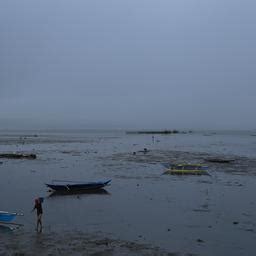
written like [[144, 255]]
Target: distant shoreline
[[157, 132]]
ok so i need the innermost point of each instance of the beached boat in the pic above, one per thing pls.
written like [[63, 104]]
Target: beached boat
[[192, 169], [6, 218], [62, 185]]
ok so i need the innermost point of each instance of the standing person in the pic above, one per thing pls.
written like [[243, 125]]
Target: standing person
[[39, 211]]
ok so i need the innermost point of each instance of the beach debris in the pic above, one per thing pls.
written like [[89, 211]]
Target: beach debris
[[250, 230], [66, 152], [187, 169], [17, 156], [145, 150], [166, 165], [219, 160]]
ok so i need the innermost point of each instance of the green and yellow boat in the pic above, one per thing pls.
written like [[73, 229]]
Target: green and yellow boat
[[187, 169]]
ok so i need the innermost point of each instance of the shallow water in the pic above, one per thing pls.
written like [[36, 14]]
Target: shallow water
[[205, 215]]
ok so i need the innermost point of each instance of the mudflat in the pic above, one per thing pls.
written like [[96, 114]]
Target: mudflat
[[142, 212]]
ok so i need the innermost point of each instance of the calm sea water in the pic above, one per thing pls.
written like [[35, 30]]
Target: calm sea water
[[240, 143], [141, 203]]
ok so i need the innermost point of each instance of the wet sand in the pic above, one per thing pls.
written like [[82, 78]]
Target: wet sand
[[143, 212], [72, 243]]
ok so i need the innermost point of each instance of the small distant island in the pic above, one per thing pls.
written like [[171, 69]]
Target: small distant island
[[158, 132]]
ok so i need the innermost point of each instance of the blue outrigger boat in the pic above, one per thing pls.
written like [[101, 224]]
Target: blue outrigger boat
[[63, 185], [6, 218]]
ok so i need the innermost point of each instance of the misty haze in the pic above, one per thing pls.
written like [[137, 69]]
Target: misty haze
[[127, 127]]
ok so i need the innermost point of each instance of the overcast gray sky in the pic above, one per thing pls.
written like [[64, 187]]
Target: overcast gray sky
[[185, 64]]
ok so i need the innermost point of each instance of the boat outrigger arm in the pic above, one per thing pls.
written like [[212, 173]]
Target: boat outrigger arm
[[11, 223]]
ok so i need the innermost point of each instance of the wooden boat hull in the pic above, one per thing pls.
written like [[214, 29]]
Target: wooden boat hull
[[78, 187]]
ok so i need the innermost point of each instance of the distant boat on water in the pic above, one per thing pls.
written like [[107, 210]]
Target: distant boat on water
[[17, 156], [219, 160]]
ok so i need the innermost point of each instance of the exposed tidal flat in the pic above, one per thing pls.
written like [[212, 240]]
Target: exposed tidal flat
[[143, 212]]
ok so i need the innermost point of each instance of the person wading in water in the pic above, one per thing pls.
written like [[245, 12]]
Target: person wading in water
[[39, 211]]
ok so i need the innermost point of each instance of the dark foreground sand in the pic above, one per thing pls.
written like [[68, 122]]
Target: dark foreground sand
[[73, 243]]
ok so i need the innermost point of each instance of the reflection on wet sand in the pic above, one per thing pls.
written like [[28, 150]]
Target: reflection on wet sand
[[5, 228], [76, 243], [79, 192]]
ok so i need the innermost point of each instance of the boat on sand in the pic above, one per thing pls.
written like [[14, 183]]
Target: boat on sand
[[63, 185], [6, 218]]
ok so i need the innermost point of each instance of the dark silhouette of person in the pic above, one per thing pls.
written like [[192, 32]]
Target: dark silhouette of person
[[39, 211]]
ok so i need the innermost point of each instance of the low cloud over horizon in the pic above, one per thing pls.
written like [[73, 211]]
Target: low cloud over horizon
[[127, 64]]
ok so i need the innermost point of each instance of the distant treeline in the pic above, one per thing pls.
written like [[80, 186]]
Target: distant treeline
[[157, 132]]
